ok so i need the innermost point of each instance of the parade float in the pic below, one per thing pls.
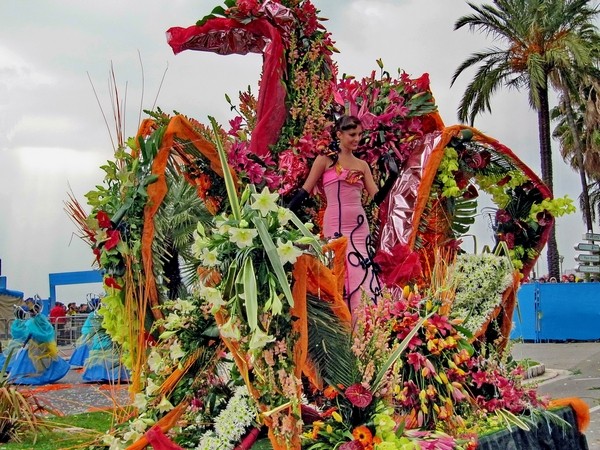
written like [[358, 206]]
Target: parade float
[[229, 307]]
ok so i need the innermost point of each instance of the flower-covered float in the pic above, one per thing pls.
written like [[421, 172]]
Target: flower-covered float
[[229, 307]]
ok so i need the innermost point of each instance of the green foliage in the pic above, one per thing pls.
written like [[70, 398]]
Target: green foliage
[[65, 432]]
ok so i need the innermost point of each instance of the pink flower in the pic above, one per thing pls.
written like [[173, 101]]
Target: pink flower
[[479, 378], [398, 267], [236, 125], [416, 360]]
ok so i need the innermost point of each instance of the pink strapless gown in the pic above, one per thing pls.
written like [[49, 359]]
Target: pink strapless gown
[[345, 216]]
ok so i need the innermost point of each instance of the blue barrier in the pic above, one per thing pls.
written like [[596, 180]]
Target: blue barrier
[[557, 312]]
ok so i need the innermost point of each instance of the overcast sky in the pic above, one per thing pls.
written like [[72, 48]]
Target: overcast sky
[[53, 137]]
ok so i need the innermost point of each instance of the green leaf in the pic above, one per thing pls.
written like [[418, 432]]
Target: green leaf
[[228, 282], [229, 184], [250, 294], [305, 232], [271, 251]]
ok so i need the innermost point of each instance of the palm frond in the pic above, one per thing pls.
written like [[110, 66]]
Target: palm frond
[[330, 345]]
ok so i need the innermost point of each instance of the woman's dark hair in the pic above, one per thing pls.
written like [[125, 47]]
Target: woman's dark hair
[[346, 123], [343, 123]]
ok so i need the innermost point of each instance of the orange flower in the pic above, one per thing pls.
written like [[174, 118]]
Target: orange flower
[[203, 182], [363, 435], [330, 392]]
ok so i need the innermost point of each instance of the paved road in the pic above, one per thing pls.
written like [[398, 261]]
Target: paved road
[[572, 370], [70, 395]]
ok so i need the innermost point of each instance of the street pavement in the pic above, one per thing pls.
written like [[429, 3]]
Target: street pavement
[[572, 370]]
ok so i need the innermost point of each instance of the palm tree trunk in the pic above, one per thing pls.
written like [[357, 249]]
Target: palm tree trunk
[[585, 197], [547, 175]]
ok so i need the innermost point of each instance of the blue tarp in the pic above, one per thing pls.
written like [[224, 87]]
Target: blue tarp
[[557, 312], [11, 293]]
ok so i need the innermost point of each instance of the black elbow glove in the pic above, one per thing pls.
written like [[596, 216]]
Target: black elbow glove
[[297, 200], [393, 172]]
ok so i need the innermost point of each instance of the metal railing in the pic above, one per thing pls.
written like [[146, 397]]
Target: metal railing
[[67, 332]]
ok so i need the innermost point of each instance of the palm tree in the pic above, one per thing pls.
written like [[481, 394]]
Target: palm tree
[[577, 132], [540, 37], [594, 194]]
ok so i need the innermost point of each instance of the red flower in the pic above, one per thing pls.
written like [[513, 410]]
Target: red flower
[[103, 220], [504, 180], [398, 267], [112, 283], [544, 218], [113, 239], [462, 180], [509, 238], [422, 83], [503, 216], [478, 160], [352, 445], [248, 7], [359, 396], [471, 192], [97, 253]]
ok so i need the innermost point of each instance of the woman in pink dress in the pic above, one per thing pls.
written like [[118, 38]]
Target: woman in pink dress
[[344, 176]]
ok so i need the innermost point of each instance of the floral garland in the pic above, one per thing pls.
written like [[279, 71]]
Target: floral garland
[[480, 282], [522, 211]]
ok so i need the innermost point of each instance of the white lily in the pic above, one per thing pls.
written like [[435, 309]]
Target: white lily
[[175, 351], [260, 339], [165, 405], [242, 237], [265, 202], [229, 330], [287, 251], [210, 258], [140, 401], [200, 243], [154, 361], [213, 297], [284, 215]]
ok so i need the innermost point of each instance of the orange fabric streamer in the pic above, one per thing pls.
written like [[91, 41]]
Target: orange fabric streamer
[[171, 381], [429, 174], [180, 128], [580, 408], [312, 277], [165, 423]]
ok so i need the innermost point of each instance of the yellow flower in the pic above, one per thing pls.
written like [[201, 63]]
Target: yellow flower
[[337, 416]]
